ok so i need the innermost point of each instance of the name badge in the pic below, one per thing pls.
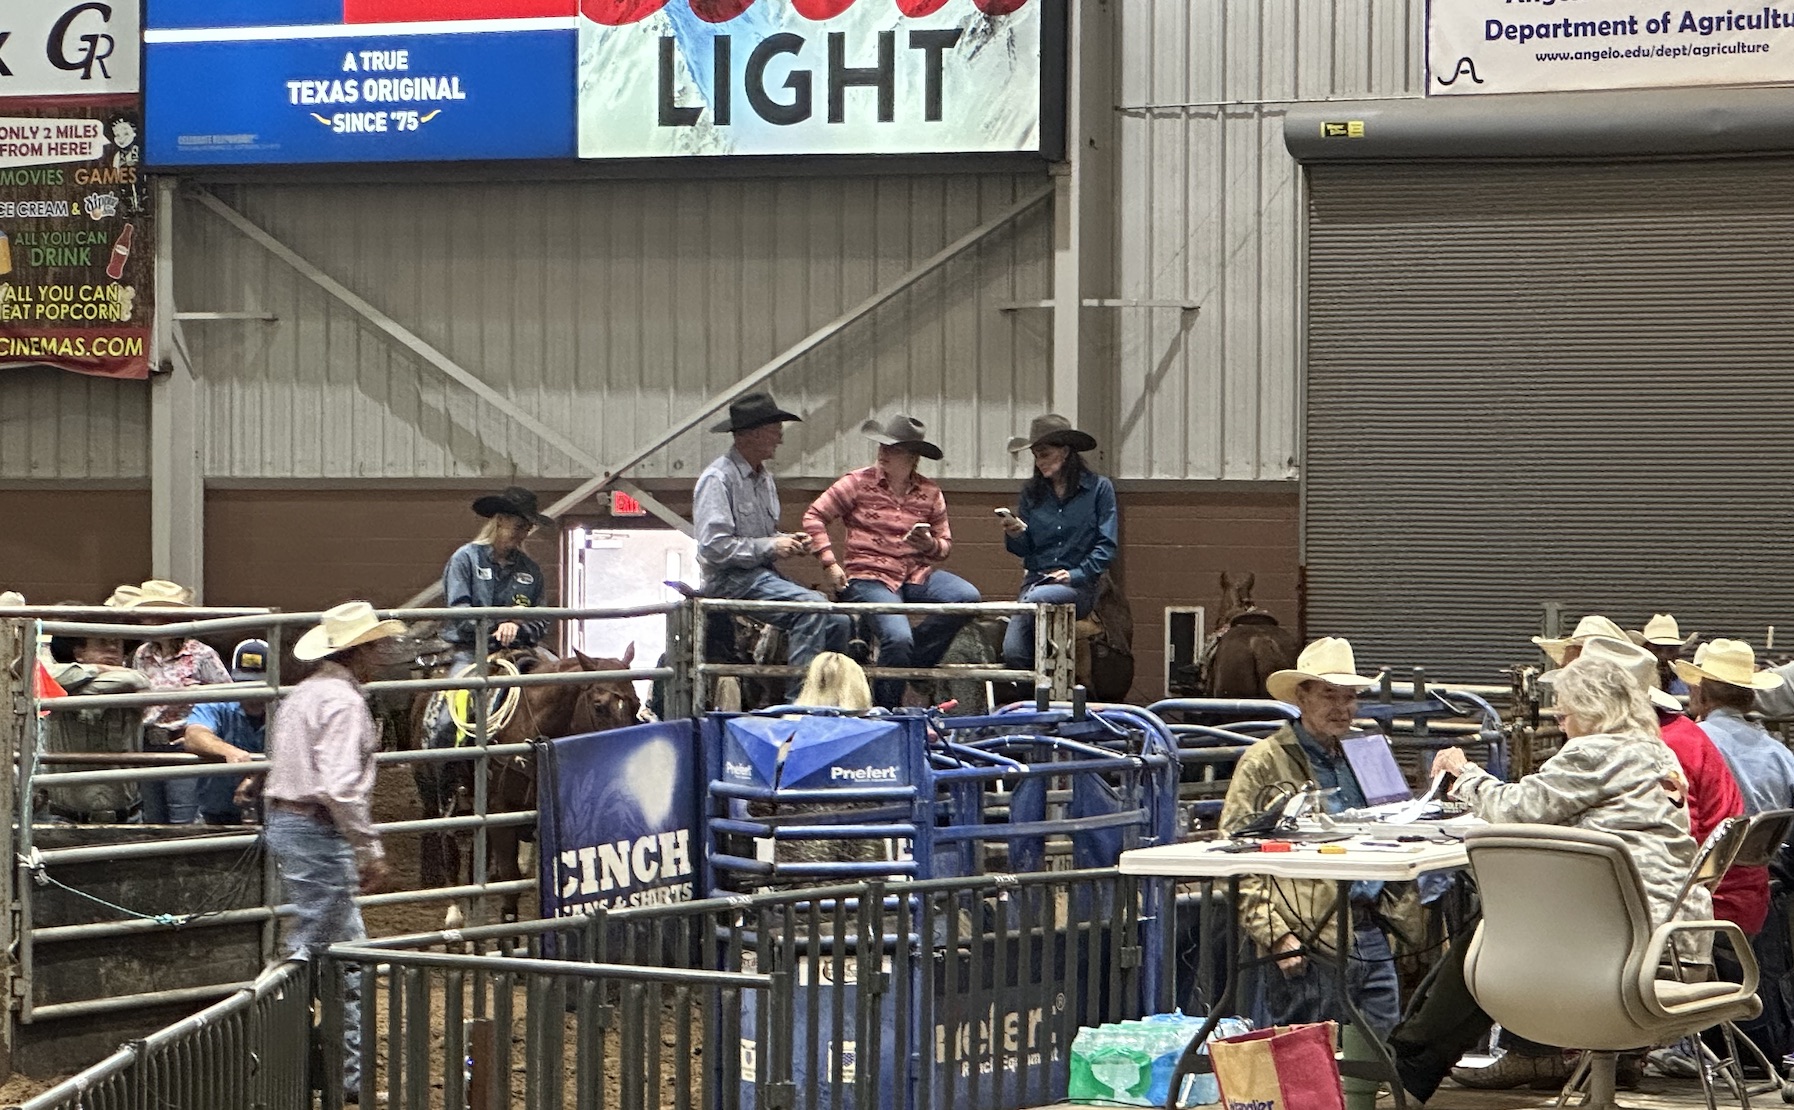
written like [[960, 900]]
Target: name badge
[[483, 573], [525, 579]]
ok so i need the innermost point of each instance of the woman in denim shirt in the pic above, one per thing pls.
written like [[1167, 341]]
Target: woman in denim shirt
[[1064, 529]]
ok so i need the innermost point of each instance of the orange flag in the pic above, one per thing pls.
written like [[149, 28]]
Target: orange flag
[[47, 687]]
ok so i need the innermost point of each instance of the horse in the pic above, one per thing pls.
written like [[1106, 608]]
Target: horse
[[1247, 647], [542, 712]]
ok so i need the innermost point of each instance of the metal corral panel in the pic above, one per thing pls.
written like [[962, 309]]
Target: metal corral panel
[[56, 424], [1562, 382], [607, 310], [1209, 211]]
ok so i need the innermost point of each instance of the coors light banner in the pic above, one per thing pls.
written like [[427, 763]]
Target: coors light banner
[[769, 77]]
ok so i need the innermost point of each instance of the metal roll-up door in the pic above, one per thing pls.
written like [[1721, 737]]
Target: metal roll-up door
[[1547, 382]]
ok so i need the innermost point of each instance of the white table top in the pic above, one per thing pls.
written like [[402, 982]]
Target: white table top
[[1365, 856]]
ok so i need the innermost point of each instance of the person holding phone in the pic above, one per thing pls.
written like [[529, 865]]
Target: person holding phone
[[1065, 528], [897, 533]]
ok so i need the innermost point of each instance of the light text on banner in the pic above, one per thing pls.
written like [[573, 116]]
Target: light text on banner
[[1494, 46]]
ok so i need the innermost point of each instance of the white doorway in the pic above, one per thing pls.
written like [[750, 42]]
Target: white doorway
[[614, 568]]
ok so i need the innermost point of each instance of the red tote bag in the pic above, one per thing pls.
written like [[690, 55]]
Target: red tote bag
[[1290, 1067]]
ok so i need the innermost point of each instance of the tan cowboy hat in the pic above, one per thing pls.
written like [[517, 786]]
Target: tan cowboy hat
[[1632, 659], [1586, 627], [1732, 662], [1662, 631], [901, 431], [349, 624], [157, 593], [1053, 429], [1328, 659]]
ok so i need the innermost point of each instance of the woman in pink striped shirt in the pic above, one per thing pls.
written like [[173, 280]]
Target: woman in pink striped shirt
[[896, 523]]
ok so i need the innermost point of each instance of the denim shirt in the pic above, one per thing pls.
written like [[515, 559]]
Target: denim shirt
[[473, 578], [1763, 767], [1078, 534], [229, 723], [1331, 770], [736, 511]]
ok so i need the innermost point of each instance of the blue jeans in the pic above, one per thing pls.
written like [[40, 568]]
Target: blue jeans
[[810, 634], [1314, 994], [171, 801], [898, 644], [317, 869], [1018, 642]]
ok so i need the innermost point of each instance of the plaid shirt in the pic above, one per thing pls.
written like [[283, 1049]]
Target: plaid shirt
[[194, 664], [877, 520]]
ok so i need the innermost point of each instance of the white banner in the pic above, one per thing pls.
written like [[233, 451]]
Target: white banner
[[1504, 46], [783, 77], [69, 47]]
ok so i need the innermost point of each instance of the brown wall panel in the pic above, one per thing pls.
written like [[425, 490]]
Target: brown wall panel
[[300, 550], [73, 545]]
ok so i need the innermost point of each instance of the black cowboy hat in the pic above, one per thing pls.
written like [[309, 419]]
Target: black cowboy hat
[[514, 500], [901, 431], [752, 410], [1053, 429]]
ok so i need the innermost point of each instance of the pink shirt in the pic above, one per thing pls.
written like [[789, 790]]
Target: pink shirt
[[194, 664], [877, 520], [321, 750]]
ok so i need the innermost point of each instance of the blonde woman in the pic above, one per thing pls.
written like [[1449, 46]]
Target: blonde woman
[[836, 681], [494, 570]]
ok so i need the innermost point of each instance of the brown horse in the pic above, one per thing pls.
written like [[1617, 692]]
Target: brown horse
[[1248, 645], [542, 712]]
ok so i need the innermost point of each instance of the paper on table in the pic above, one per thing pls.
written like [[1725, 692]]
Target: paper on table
[[1416, 809]]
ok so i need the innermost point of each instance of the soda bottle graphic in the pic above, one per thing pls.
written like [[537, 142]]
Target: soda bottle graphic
[[5, 254], [121, 253]]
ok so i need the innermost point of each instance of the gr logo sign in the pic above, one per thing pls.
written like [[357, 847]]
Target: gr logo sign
[[59, 47]]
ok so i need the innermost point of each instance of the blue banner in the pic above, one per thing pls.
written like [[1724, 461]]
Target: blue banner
[[351, 97], [819, 753], [617, 818]]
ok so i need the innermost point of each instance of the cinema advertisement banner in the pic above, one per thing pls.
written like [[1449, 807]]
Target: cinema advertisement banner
[[76, 249], [1498, 46], [783, 77]]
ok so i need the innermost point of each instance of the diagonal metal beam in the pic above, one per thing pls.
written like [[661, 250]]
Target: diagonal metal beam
[[809, 343], [415, 343]]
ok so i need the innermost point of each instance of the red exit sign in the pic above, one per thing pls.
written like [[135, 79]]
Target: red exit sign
[[621, 504]]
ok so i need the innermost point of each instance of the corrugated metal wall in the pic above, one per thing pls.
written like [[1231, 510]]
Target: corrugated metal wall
[[58, 425], [606, 309], [1209, 210]]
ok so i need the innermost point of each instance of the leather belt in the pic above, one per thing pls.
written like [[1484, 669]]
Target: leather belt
[[304, 809]]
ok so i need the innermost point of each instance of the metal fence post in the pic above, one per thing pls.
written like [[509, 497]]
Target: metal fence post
[[12, 712], [679, 699]]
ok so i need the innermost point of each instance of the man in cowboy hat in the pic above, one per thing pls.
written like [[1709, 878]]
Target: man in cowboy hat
[[1723, 682], [1294, 917], [170, 663], [320, 778], [1663, 638], [494, 570], [736, 509], [897, 533]]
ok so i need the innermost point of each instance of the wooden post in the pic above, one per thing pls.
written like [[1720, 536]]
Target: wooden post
[[480, 1053]]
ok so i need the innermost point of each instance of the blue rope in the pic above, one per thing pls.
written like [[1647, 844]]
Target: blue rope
[[171, 919]]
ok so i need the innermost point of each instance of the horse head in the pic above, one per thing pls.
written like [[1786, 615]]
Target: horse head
[[603, 705], [1236, 598]]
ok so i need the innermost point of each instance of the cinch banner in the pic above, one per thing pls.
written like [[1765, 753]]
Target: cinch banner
[[238, 82], [617, 818], [1497, 46], [68, 47], [662, 78]]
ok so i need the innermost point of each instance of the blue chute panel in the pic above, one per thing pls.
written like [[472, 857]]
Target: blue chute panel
[[825, 753]]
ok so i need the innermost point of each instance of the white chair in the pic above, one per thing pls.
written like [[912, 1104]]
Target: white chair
[[1567, 953]]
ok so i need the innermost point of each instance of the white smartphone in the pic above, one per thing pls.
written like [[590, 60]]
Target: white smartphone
[[1004, 513]]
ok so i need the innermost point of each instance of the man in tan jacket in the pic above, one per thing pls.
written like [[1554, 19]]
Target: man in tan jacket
[[1291, 918]]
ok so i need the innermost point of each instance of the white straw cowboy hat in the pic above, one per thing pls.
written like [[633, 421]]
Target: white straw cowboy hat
[[1732, 662], [1328, 659], [1662, 631], [344, 627], [1632, 659], [901, 431], [157, 593], [1585, 628], [1055, 430]]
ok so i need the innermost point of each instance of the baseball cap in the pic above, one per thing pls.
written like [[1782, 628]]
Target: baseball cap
[[249, 661]]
